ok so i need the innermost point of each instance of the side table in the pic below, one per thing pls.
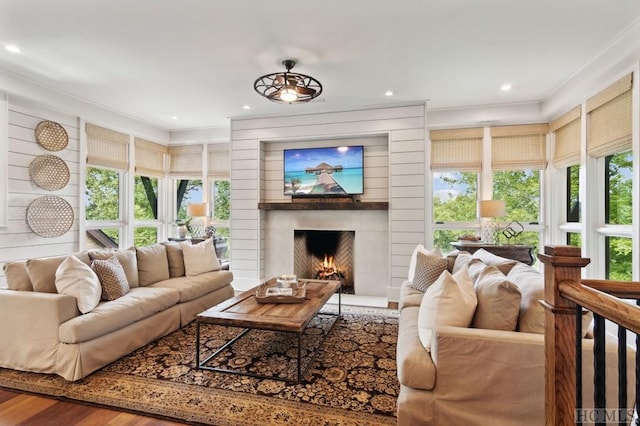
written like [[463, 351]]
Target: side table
[[520, 252]]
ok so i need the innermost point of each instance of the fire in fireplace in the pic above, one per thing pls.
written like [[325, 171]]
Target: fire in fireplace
[[325, 255]]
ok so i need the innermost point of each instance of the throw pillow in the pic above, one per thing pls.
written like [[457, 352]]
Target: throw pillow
[[502, 263], [531, 285], [112, 278], [199, 258], [463, 258], [414, 259], [175, 258], [17, 276], [42, 271], [126, 257], [75, 278], [451, 301], [153, 265], [476, 266], [428, 269], [498, 301]]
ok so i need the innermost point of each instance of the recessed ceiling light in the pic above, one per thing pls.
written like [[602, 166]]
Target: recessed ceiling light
[[12, 48], [388, 93], [174, 117], [505, 87], [246, 107]]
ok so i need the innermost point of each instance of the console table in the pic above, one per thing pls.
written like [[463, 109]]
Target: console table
[[520, 252]]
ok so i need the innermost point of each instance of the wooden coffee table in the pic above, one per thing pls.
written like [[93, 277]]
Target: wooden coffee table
[[246, 312]]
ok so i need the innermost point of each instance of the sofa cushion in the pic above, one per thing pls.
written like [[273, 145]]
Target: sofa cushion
[[113, 315], [462, 259], [409, 296], [428, 269], [199, 258], [415, 366], [501, 263], [42, 271], [498, 301], [414, 259], [112, 278], [476, 267], [126, 257], [17, 275], [191, 288], [75, 278], [531, 285], [451, 300], [175, 258], [153, 265]]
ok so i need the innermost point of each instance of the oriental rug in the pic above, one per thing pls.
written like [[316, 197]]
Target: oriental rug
[[351, 379]]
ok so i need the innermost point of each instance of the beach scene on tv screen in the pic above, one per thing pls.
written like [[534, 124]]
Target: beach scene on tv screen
[[324, 171]]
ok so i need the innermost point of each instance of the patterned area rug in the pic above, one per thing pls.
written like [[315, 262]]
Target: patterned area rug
[[350, 380]]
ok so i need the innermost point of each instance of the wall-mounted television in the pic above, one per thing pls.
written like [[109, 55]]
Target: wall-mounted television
[[324, 172]]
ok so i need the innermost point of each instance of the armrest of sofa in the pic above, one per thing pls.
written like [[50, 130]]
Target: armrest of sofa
[[29, 324]]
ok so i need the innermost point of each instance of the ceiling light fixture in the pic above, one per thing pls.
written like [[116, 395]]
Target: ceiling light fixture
[[288, 87], [246, 107], [388, 93], [505, 87], [12, 48]]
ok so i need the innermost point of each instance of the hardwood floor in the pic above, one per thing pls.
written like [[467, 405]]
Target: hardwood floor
[[19, 409]]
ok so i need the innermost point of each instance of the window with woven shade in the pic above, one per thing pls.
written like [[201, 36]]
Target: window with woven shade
[[456, 149], [519, 147], [610, 117], [567, 132], [107, 148], [185, 161], [150, 158], [219, 161]]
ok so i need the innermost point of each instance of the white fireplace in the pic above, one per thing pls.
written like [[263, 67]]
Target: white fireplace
[[370, 232]]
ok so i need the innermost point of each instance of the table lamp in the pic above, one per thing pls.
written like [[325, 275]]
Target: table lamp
[[490, 209], [198, 211]]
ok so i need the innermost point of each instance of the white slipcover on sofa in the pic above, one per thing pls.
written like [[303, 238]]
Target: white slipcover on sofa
[[167, 285]]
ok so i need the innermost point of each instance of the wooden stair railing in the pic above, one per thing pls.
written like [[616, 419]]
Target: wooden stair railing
[[565, 295]]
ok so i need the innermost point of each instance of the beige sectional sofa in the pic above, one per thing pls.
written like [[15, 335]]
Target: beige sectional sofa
[[44, 331], [474, 376]]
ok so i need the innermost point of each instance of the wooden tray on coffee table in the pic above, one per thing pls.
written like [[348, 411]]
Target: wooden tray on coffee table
[[269, 292]]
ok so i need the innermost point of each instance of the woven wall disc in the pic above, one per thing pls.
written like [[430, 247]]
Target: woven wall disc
[[50, 216], [51, 136], [49, 172]]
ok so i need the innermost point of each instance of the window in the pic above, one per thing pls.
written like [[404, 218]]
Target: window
[[187, 191], [455, 197], [145, 210], [618, 250], [102, 207], [573, 193], [220, 206]]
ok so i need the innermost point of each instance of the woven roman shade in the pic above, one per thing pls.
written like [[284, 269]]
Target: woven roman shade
[[107, 148], [610, 116], [185, 161], [567, 130], [519, 147], [150, 158], [456, 149], [219, 161]]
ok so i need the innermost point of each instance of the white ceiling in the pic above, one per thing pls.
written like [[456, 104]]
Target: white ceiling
[[198, 59]]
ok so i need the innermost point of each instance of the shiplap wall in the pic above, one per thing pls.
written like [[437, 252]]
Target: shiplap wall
[[252, 181], [17, 241]]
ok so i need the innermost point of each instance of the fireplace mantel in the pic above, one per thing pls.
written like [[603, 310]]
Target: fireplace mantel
[[368, 205]]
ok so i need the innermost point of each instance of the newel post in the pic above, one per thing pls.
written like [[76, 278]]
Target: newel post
[[560, 263]]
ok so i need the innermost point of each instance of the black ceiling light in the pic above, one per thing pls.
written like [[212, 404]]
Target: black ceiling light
[[288, 87]]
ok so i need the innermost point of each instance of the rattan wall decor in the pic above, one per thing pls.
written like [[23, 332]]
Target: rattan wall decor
[[50, 216], [49, 172], [51, 136]]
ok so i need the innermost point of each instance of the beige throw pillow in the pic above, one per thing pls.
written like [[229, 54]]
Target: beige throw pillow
[[75, 278], [503, 264], [462, 259], [531, 285], [153, 265], [126, 257], [498, 301], [451, 301], [199, 258], [428, 269], [414, 259], [112, 278], [17, 276]]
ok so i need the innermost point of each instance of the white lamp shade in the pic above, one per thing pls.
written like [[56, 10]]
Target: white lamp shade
[[492, 208], [197, 209]]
